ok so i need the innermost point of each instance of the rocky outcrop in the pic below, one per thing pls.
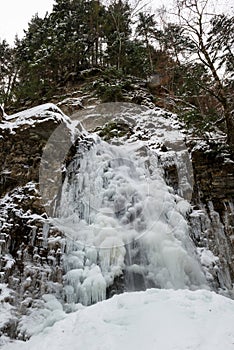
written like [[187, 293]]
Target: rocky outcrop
[[213, 218], [214, 179], [22, 141], [30, 249]]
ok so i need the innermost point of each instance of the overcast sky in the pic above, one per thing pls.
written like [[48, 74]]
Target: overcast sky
[[15, 14]]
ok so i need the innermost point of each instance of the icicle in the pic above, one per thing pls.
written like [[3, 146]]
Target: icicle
[[45, 232], [121, 217]]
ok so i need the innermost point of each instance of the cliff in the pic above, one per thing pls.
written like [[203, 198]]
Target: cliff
[[33, 248]]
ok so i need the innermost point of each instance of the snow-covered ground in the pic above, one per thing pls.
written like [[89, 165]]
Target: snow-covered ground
[[155, 319]]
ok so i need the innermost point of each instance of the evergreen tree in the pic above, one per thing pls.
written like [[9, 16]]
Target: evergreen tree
[[117, 32], [33, 58], [146, 29], [8, 73], [78, 26], [137, 61], [221, 41]]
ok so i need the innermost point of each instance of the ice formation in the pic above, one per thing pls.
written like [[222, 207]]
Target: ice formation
[[120, 217]]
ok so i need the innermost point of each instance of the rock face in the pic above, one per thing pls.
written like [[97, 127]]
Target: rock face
[[32, 250], [1, 113], [23, 137], [212, 217], [29, 265], [213, 222]]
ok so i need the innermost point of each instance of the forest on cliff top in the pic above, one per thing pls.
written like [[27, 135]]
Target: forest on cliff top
[[188, 56]]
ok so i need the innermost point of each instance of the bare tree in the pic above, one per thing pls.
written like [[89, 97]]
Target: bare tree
[[195, 17]]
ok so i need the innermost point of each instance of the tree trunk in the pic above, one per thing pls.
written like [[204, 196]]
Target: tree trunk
[[229, 118]]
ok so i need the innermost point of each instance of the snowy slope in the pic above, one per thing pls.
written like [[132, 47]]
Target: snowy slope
[[155, 319]]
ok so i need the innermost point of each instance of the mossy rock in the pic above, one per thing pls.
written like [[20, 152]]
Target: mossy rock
[[114, 129]]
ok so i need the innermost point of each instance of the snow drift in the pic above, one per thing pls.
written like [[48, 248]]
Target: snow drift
[[154, 319]]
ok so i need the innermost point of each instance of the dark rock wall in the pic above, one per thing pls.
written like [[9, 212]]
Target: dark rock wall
[[213, 224], [30, 250], [21, 153]]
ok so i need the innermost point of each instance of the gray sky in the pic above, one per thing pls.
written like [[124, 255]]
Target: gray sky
[[15, 14]]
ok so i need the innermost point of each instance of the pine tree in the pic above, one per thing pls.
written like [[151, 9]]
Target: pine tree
[[146, 30], [117, 32], [8, 73], [33, 58]]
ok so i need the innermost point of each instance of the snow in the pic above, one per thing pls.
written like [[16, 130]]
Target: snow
[[49, 312], [38, 114], [11, 202], [154, 319], [5, 307], [207, 257]]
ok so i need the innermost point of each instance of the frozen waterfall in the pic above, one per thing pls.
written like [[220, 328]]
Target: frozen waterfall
[[121, 219]]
